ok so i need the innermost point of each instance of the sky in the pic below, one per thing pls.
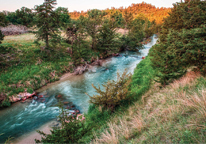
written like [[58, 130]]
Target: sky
[[78, 5]]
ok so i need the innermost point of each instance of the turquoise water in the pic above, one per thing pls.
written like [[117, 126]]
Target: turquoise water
[[22, 118]]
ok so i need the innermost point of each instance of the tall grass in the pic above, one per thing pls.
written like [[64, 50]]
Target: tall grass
[[174, 114]]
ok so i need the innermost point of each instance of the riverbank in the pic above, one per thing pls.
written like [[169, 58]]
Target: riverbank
[[32, 72], [29, 138]]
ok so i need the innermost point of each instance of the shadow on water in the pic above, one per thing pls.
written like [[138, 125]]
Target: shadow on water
[[22, 118]]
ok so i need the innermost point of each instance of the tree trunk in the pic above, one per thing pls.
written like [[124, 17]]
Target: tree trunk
[[47, 41]]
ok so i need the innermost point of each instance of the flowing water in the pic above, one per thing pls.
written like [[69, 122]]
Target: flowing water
[[22, 118]]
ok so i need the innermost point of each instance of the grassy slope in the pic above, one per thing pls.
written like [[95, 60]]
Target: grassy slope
[[97, 118], [28, 70], [174, 114]]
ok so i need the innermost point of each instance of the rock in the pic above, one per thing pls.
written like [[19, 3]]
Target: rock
[[43, 100], [92, 59], [76, 72], [59, 96], [66, 103], [40, 96], [81, 72]]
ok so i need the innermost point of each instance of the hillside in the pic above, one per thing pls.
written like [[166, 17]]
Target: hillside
[[174, 114], [142, 9]]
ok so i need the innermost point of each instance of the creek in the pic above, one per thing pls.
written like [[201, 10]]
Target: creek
[[22, 118]]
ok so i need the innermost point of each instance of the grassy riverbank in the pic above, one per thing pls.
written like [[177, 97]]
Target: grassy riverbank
[[29, 67], [98, 119]]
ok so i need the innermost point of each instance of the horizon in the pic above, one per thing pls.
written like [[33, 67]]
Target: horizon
[[82, 5]]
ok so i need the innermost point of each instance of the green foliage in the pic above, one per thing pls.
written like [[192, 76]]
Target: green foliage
[[119, 20], [3, 20], [80, 50], [180, 51], [182, 41], [1, 37], [185, 15], [142, 77], [48, 23], [128, 17], [70, 132], [63, 17], [107, 38], [115, 92], [132, 41], [23, 16], [92, 22]]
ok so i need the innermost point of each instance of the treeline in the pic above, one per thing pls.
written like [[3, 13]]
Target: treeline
[[143, 9], [103, 37], [26, 16], [89, 36]]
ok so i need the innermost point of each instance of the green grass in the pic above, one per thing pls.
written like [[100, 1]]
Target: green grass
[[174, 114], [28, 66], [97, 119]]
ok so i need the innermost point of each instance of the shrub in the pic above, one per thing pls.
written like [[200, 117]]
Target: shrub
[[115, 92], [71, 130]]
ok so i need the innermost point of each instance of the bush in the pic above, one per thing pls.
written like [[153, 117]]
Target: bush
[[115, 92], [71, 131], [180, 51]]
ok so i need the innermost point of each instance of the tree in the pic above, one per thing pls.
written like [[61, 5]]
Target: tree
[[47, 23], [182, 42], [1, 37], [180, 51], [23, 16], [76, 37], [133, 40], [118, 18], [70, 131], [107, 38], [63, 16], [128, 16], [92, 23], [3, 20]]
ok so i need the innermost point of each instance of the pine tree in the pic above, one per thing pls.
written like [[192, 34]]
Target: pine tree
[[92, 23], [181, 45], [107, 41], [133, 40], [47, 23], [76, 37]]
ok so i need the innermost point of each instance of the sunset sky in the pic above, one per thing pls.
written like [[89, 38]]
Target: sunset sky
[[12, 5]]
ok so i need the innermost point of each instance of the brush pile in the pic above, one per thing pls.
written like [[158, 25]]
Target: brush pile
[[14, 30]]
